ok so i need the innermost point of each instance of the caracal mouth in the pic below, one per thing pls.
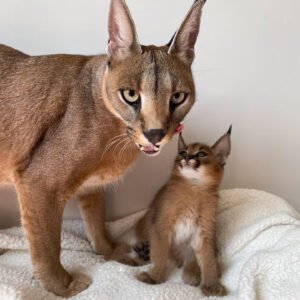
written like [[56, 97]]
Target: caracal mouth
[[150, 150], [153, 150]]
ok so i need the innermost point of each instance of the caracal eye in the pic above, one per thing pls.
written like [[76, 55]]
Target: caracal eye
[[130, 96], [183, 154], [178, 98], [201, 154]]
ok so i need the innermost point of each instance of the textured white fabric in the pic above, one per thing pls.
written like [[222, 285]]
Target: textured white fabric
[[259, 238]]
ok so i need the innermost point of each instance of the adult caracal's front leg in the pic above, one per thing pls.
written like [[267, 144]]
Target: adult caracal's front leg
[[42, 211], [92, 208], [93, 211]]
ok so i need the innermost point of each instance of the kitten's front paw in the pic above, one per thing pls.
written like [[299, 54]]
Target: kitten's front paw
[[145, 277], [191, 279], [213, 289]]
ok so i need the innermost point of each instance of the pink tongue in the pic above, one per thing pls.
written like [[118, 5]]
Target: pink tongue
[[179, 128], [148, 148]]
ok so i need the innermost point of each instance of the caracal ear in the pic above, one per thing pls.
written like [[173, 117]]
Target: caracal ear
[[184, 41], [181, 143], [122, 34], [222, 147]]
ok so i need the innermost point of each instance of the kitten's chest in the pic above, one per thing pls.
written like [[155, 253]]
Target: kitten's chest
[[187, 231]]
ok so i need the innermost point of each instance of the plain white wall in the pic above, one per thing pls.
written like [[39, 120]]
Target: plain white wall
[[247, 72]]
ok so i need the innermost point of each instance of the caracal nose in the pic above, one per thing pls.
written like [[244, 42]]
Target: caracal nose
[[155, 135]]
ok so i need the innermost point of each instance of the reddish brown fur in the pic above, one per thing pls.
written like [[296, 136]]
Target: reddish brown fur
[[187, 202], [65, 131]]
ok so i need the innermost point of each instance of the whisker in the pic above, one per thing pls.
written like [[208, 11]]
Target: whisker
[[117, 136], [119, 143], [109, 145], [124, 147], [112, 142]]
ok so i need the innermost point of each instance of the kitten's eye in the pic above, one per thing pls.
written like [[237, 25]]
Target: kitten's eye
[[178, 98], [130, 96], [183, 154], [201, 154]]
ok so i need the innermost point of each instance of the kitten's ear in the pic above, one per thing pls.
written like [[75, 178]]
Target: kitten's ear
[[122, 34], [222, 147], [181, 143], [183, 43]]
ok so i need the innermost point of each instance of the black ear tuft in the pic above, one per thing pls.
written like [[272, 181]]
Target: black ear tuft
[[171, 41], [181, 143], [184, 41], [222, 147], [229, 130]]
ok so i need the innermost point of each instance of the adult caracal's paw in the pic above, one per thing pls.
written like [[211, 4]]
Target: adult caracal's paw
[[78, 284], [213, 289], [66, 285]]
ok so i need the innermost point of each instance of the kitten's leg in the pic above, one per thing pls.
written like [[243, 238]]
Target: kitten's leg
[[191, 272], [159, 254], [41, 211], [92, 209], [176, 256], [210, 271]]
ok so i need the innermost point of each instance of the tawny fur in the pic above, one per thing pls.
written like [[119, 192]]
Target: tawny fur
[[181, 221], [65, 131]]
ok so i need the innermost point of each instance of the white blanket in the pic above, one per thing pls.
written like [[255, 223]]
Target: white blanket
[[259, 241]]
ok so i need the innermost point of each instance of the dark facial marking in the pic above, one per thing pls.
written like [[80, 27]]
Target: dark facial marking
[[156, 70], [156, 74]]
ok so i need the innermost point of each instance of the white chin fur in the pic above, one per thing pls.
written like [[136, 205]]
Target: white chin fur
[[192, 174]]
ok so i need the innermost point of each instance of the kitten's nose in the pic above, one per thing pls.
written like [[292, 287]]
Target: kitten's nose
[[155, 135]]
